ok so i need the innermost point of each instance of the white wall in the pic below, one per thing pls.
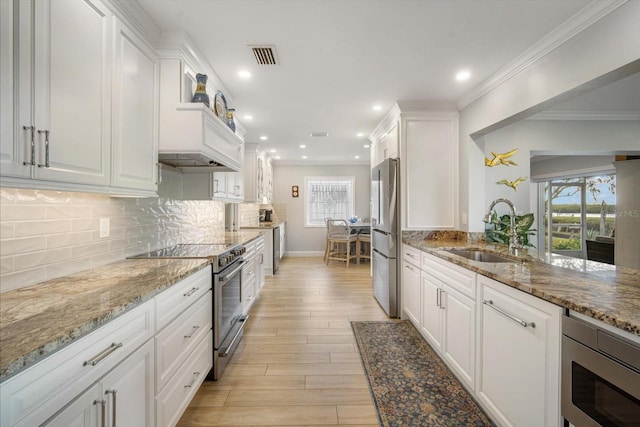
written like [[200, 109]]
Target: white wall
[[603, 52], [303, 240], [575, 137]]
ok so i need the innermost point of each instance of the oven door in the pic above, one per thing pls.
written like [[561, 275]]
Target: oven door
[[596, 389], [228, 320]]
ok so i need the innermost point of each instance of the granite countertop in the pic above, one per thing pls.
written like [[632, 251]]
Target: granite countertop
[[39, 319], [605, 292], [263, 225]]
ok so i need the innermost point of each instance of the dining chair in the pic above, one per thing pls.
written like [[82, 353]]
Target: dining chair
[[338, 245], [363, 247]]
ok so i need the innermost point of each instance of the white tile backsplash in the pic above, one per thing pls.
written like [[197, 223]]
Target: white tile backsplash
[[48, 234]]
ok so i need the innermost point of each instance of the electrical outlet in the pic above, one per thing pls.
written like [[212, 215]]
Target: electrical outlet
[[104, 227], [464, 218]]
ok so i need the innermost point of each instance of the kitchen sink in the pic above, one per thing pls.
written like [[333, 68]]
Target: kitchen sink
[[480, 256]]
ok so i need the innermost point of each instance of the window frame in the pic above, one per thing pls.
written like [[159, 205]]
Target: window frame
[[325, 178]]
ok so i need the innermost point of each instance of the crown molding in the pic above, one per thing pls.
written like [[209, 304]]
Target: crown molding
[[586, 17], [586, 115], [136, 18]]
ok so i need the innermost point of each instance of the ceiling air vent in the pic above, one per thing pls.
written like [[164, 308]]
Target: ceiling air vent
[[265, 54], [319, 134]]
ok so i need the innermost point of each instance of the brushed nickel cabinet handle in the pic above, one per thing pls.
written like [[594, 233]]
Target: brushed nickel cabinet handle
[[191, 292], [46, 148], [104, 353], [113, 408], [193, 381], [103, 414], [33, 145], [193, 331], [489, 303]]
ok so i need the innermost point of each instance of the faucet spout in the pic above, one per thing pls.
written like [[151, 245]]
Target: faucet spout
[[513, 236]]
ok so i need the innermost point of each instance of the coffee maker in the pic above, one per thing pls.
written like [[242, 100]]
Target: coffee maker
[[265, 215]]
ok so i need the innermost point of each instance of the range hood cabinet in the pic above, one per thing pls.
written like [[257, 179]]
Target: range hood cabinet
[[192, 137]]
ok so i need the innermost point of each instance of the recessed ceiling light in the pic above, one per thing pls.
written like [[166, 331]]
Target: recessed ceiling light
[[366, 146], [264, 137], [244, 74], [357, 157], [303, 146], [319, 134], [360, 134], [304, 157], [277, 157], [377, 107], [247, 117], [273, 150], [463, 75]]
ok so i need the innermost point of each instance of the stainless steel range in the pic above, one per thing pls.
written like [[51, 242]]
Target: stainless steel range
[[228, 320]]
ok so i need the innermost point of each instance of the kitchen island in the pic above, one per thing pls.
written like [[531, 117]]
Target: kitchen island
[[604, 292]]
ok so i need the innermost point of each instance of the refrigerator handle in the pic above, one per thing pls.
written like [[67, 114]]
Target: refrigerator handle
[[380, 253]]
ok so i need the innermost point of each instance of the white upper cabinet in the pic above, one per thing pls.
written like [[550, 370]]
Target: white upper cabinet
[[426, 141], [71, 91], [135, 113], [258, 175], [67, 66]]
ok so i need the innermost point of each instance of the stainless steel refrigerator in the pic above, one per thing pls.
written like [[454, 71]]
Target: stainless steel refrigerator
[[386, 236]]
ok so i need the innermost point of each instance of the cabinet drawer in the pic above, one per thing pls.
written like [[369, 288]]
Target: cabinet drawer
[[411, 254], [173, 301], [175, 342], [459, 278], [174, 398], [34, 395]]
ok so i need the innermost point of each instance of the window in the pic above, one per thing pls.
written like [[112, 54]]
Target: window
[[327, 197]]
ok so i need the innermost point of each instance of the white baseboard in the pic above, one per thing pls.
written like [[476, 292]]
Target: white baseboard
[[305, 253]]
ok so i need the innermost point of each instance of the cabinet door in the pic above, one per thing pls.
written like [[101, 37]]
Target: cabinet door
[[430, 162], [283, 239], [392, 142], [87, 410], [431, 319], [14, 140], [219, 184], [519, 365], [129, 390], [411, 292], [72, 91], [459, 333], [135, 112]]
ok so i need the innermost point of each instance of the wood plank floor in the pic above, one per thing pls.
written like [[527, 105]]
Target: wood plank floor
[[298, 363]]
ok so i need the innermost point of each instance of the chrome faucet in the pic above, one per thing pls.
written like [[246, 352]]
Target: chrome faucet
[[513, 236]]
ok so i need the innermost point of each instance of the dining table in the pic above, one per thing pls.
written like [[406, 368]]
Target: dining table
[[358, 227]]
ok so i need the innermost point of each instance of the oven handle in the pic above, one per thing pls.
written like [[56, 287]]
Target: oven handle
[[235, 270], [225, 352]]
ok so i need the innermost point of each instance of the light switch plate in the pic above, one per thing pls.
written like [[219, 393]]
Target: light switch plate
[[104, 227]]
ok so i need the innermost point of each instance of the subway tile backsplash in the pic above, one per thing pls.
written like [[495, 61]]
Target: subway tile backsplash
[[48, 234]]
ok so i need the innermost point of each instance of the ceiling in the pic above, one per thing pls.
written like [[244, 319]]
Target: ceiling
[[338, 58]]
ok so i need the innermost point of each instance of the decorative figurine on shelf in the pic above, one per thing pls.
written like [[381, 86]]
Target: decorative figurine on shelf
[[201, 90], [230, 122]]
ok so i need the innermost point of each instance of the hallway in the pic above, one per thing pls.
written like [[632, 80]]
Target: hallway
[[298, 362]]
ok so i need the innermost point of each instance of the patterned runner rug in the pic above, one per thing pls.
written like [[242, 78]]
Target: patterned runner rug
[[410, 384]]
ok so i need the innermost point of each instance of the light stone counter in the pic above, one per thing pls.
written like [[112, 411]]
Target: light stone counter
[[605, 292], [40, 319]]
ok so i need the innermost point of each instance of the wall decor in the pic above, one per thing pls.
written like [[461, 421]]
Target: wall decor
[[201, 90], [513, 184], [294, 191], [501, 159]]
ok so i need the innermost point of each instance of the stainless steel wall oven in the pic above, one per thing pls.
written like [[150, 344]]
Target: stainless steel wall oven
[[600, 376]]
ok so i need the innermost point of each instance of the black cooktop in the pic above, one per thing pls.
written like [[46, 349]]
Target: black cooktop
[[189, 251]]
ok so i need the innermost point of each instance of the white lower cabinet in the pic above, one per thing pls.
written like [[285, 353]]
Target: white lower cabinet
[[125, 373], [519, 356], [124, 397], [501, 343]]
